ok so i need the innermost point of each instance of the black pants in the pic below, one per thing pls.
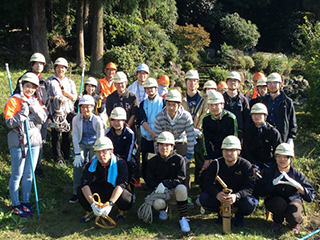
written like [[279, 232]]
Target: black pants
[[146, 147], [124, 202]]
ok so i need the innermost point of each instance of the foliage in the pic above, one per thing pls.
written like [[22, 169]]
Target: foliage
[[189, 39], [232, 58], [261, 61], [249, 63], [279, 63], [217, 73], [186, 66], [238, 32]]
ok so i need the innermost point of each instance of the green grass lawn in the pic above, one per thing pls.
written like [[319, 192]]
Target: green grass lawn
[[60, 220]]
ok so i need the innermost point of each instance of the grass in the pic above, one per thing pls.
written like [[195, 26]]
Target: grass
[[60, 220]]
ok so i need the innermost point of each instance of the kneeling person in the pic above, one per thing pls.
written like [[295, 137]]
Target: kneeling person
[[106, 175], [168, 170]]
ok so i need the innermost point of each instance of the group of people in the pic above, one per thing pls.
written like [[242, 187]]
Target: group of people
[[245, 140]]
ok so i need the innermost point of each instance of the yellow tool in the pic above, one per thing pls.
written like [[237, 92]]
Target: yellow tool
[[103, 224]]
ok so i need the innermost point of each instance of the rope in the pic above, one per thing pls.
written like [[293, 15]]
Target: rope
[[145, 210], [60, 116], [106, 222]]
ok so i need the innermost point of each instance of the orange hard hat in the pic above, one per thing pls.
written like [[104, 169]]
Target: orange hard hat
[[164, 80], [257, 76], [222, 85], [111, 65]]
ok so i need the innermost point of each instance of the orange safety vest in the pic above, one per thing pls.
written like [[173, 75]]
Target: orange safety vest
[[13, 106], [105, 86]]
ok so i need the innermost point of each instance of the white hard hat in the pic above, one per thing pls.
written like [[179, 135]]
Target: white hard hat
[[262, 82], [234, 75], [120, 77], [192, 74], [30, 77], [37, 57], [92, 81], [285, 149], [102, 144], [259, 108], [274, 77], [215, 97], [231, 142], [118, 113], [61, 61], [143, 67], [86, 99], [210, 84], [173, 96], [150, 82], [165, 137]]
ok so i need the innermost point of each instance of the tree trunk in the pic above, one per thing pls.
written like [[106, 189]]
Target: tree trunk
[[80, 34], [97, 38], [86, 26], [67, 18], [38, 28]]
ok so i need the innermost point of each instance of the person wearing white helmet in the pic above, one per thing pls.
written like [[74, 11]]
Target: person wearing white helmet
[[216, 125], [167, 170], [260, 138], [137, 87], [262, 90], [236, 103], [20, 106], [86, 129], [62, 93], [237, 174], [284, 187], [175, 119], [148, 110], [195, 103], [281, 109], [107, 175]]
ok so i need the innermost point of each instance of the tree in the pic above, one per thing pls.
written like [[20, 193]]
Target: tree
[[238, 32], [80, 33], [39, 41], [97, 38]]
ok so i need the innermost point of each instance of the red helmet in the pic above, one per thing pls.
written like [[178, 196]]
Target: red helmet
[[164, 80], [257, 76], [111, 65]]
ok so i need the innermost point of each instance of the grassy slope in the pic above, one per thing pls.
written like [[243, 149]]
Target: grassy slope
[[59, 219]]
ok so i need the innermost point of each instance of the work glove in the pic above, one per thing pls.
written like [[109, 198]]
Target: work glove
[[161, 188], [78, 161], [197, 133], [276, 181], [291, 181], [106, 210], [96, 209]]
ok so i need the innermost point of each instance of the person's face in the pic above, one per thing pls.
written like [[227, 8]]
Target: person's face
[[86, 110], [230, 155], [29, 89], [172, 107], [273, 86], [151, 92], [37, 67], [104, 155], [110, 73], [258, 118], [233, 84], [90, 89], [142, 77], [192, 84], [165, 149], [283, 161], [60, 70], [262, 90], [117, 124], [121, 87], [216, 109]]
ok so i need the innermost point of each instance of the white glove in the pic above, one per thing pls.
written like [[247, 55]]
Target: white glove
[[160, 188], [106, 210], [291, 181], [290, 141], [96, 209], [197, 133], [276, 181], [78, 160]]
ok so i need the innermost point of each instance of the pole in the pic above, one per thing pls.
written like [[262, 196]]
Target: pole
[[81, 85], [310, 234], [9, 78], [31, 161]]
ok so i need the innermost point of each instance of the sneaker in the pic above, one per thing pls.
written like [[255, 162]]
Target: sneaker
[[18, 210], [296, 229], [88, 217], [60, 163], [163, 215], [27, 208], [239, 221], [219, 220], [73, 199], [121, 215], [190, 203], [275, 226], [184, 225]]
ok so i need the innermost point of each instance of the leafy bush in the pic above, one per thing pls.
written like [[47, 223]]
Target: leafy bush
[[238, 32], [261, 61], [186, 66], [217, 73], [279, 63]]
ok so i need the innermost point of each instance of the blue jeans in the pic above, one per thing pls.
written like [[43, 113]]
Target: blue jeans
[[21, 171]]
